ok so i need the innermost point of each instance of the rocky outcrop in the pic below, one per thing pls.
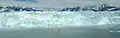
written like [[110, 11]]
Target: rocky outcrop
[[103, 7], [29, 9], [95, 8], [90, 8], [106, 7], [1, 7], [71, 9], [17, 8]]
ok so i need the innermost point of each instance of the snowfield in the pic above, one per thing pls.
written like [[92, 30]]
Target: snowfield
[[53, 19]]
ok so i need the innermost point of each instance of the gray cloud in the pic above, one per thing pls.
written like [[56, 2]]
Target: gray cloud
[[33, 1]]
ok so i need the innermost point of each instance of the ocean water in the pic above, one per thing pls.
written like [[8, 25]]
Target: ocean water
[[53, 24], [69, 32]]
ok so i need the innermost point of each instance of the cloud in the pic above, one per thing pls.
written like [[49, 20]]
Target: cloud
[[33, 1]]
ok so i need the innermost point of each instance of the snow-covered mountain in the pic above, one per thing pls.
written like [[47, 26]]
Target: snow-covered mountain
[[103, 7], [17, 8]]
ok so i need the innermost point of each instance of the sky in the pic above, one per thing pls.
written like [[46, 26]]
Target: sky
[[57, 3], [32, 1]]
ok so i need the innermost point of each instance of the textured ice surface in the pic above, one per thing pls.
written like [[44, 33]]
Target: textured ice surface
[[50, 19]]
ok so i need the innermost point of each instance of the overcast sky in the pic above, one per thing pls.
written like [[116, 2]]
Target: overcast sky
[[56, 3]]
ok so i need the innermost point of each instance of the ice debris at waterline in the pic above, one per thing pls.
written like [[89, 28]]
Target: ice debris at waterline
[[53, 19]]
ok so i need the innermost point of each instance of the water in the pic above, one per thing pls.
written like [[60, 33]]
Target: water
[[55, 33], [71, 32]]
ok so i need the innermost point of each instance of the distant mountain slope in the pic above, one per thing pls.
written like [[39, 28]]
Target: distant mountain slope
[[95, 8]]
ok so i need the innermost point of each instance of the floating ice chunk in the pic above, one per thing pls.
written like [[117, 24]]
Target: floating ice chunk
[[113, 31]]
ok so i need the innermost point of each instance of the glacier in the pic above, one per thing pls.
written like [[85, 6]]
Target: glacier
[[53, 19]]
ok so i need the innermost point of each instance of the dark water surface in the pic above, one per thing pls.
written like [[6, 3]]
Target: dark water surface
[[73, 32]]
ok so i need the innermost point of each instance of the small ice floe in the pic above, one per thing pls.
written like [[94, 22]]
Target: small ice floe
[[113, 31]]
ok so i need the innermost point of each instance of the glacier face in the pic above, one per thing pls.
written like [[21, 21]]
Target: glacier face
[[51, 19]]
